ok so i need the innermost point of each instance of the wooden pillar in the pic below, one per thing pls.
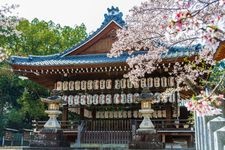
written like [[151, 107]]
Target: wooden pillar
[[81, 113], [168, 113], [64, 116]]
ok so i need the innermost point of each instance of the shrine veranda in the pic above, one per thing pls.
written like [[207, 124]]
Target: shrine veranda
[[93, 88]]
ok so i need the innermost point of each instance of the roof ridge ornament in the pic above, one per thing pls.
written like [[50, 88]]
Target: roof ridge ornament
[[113, 14]]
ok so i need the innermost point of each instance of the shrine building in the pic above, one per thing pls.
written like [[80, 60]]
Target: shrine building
[[103, 101]]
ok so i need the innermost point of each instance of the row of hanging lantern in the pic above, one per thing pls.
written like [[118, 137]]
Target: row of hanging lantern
[[124, 114], [129, 114], [88, 99], [118, 84], [121, 114]]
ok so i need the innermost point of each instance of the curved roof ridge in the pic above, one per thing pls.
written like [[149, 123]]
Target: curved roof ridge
[[113, 15]]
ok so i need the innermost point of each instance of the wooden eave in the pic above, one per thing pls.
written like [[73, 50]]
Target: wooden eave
[[82, 49], [220, 53]]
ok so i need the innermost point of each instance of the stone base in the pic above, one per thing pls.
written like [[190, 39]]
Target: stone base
[[146, 140], [49, 138], [145, 131]]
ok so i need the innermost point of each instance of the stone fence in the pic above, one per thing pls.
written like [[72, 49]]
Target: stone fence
[[210, 133]]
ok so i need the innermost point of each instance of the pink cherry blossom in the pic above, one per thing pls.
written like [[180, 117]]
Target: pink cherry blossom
[[174, 23]]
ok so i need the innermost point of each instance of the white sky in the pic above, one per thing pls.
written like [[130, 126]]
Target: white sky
[[70, 12]]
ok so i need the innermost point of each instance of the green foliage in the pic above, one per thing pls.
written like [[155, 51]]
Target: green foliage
[[215, 78], [20, 99], [42, 38]]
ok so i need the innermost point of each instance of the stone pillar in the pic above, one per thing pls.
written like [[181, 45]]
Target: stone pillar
[[219, 136], [201, 132], [212, 126], [206, 141]]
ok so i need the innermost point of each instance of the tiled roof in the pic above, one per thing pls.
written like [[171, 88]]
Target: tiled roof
[[113, 15], [57, 60]]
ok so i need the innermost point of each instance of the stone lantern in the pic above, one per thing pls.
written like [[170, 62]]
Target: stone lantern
[[52, 134], [146, 136], [53, 112], [146, 99]]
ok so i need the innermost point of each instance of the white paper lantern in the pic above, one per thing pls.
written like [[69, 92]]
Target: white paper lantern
[[129, 84], [157, 82], [129, 114], [159, 113], [59, 86], [117, 84], [143, 83], [129, 98], [65, 85], [110, 114], [164, 82], [89, 84], [71, 85], [123, 98], [123, 83], [83, 99], [86, 113], [76, 99], [102, 114], [83, 85], [116, 98], [102, 84], [171, 81], [102, 99], [97, 114], [77, 85], [157, 98], [108, 99], [135, 114], [164, 113], [139, 115], [96, 84], [136, 85], [124, 114], [106, 114], [108, 84], [89, 99], [65, 98], [95, 99], [115, 114], [150, 82], [120, 114], [70, 100], [135, 96]]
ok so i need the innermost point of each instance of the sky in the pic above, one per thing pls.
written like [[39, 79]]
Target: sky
[[70, 12]]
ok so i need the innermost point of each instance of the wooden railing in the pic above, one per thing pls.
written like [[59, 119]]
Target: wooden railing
[[65, 125], [118, 125], [106, 137], [163, 124]]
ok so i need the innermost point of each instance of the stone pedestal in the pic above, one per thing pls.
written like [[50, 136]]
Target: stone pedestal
[[52, 134], [146, 125], [52, 122], [145, 140], [146, 136], [49, 138]]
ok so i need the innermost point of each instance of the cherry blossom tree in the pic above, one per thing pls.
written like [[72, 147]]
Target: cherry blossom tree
[[157, 26], [7, 26]]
